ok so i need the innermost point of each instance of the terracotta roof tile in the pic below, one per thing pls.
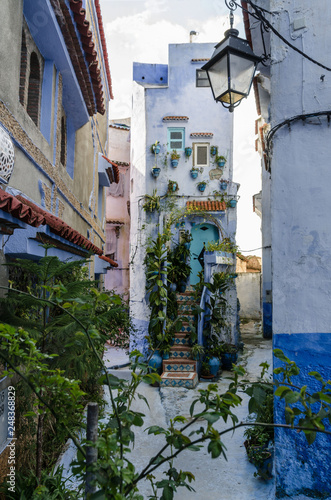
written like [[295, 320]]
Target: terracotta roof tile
[[107, 259], [201, 59], [35, 216], [201, 134], [175, 118], [209, 206], [113, 171]]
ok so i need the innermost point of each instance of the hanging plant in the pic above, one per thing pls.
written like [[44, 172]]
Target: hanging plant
[[232, 203], [156, 148], [202, 186], [213, 150], [223, 184], [194, 172], [220, 160], [188, 152], [174, 157], [152, 202], [172, 186], [156, 171]]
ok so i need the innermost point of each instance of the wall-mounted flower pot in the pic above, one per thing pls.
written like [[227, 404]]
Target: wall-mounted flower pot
[[172, 287], [232, 203], [221, 163], [156, 171], [188, 152], [201, 187], [194, 174], [224, 185], [156, 149], [213, 150], [187, 245], [174, 187], [174, 163]]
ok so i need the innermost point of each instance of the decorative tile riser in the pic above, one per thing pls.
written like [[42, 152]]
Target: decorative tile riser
[[179, 366], [184, 298], [186, 328], [178, 381], [185, 308], [180, 354], [187, 318], [181, 341]]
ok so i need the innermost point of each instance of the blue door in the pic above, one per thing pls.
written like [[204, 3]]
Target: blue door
[[201, 233]]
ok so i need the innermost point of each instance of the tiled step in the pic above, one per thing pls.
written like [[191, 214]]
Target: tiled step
[[180, 352], [180, 379], [180, 365], [185, 308], [181, 338], [183, 297]]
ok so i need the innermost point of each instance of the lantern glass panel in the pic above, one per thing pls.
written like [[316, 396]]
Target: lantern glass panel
[[241, 74], [218, 75]]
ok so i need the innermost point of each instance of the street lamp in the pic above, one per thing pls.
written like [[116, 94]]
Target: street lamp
[[231, 68]]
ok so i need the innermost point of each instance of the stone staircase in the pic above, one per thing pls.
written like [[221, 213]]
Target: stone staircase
[[180, 370]]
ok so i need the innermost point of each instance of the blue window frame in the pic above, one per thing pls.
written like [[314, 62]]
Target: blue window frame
[[176, 139]]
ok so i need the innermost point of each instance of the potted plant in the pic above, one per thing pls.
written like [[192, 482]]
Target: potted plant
[[232, 203], [174, 156], [223, 184], [186, 238], [202, 185], [188, 152], [152, 202], [229, 355], [156, 148], [194, 172], [213, 150], [197, 352], [258, 453], [156, 171], [172, 186], [220, 160]]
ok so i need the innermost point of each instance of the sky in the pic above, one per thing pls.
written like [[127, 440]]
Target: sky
[[140, 31]]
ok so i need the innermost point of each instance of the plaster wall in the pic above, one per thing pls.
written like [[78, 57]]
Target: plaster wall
[[139, 310], [249, 295], [301, 232]]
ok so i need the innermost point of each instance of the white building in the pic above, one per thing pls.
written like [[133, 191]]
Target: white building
[[173, 104]]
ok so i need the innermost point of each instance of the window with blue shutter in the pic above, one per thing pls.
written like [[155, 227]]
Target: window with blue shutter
[[176, 139]]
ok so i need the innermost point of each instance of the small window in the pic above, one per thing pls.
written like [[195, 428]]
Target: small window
[[202, 79], [63, 139], [176, 138], [34, 89], [201, 155]]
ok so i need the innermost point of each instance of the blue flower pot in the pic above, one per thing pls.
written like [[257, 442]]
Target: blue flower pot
[[233, 203], [202, 187], [214, 365], [156, 149], [174, 187], [194, 174], [213, 151], [172, 287], [221, 163], [182, 287], [156, 171], [156, 361], [174, 163], [229, 358], [224, 185], [166, 355], [188, 152], [187, 245]]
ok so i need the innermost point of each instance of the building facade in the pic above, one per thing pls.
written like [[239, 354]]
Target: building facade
[[55, 88], [173, 109], [293, 97]]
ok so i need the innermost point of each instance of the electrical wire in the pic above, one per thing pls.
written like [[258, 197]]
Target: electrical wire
[[257, 14], [253, 249]]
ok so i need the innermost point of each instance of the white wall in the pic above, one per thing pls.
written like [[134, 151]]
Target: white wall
[[249, 295]]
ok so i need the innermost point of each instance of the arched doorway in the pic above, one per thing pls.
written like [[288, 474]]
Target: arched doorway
[[201, 234]]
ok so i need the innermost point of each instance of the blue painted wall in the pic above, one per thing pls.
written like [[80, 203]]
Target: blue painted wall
[[46, 101], [303, 469], [267, 320]]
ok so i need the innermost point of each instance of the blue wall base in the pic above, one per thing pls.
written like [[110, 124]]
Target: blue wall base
[[300, 468], [137, 336], [267, 320]]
